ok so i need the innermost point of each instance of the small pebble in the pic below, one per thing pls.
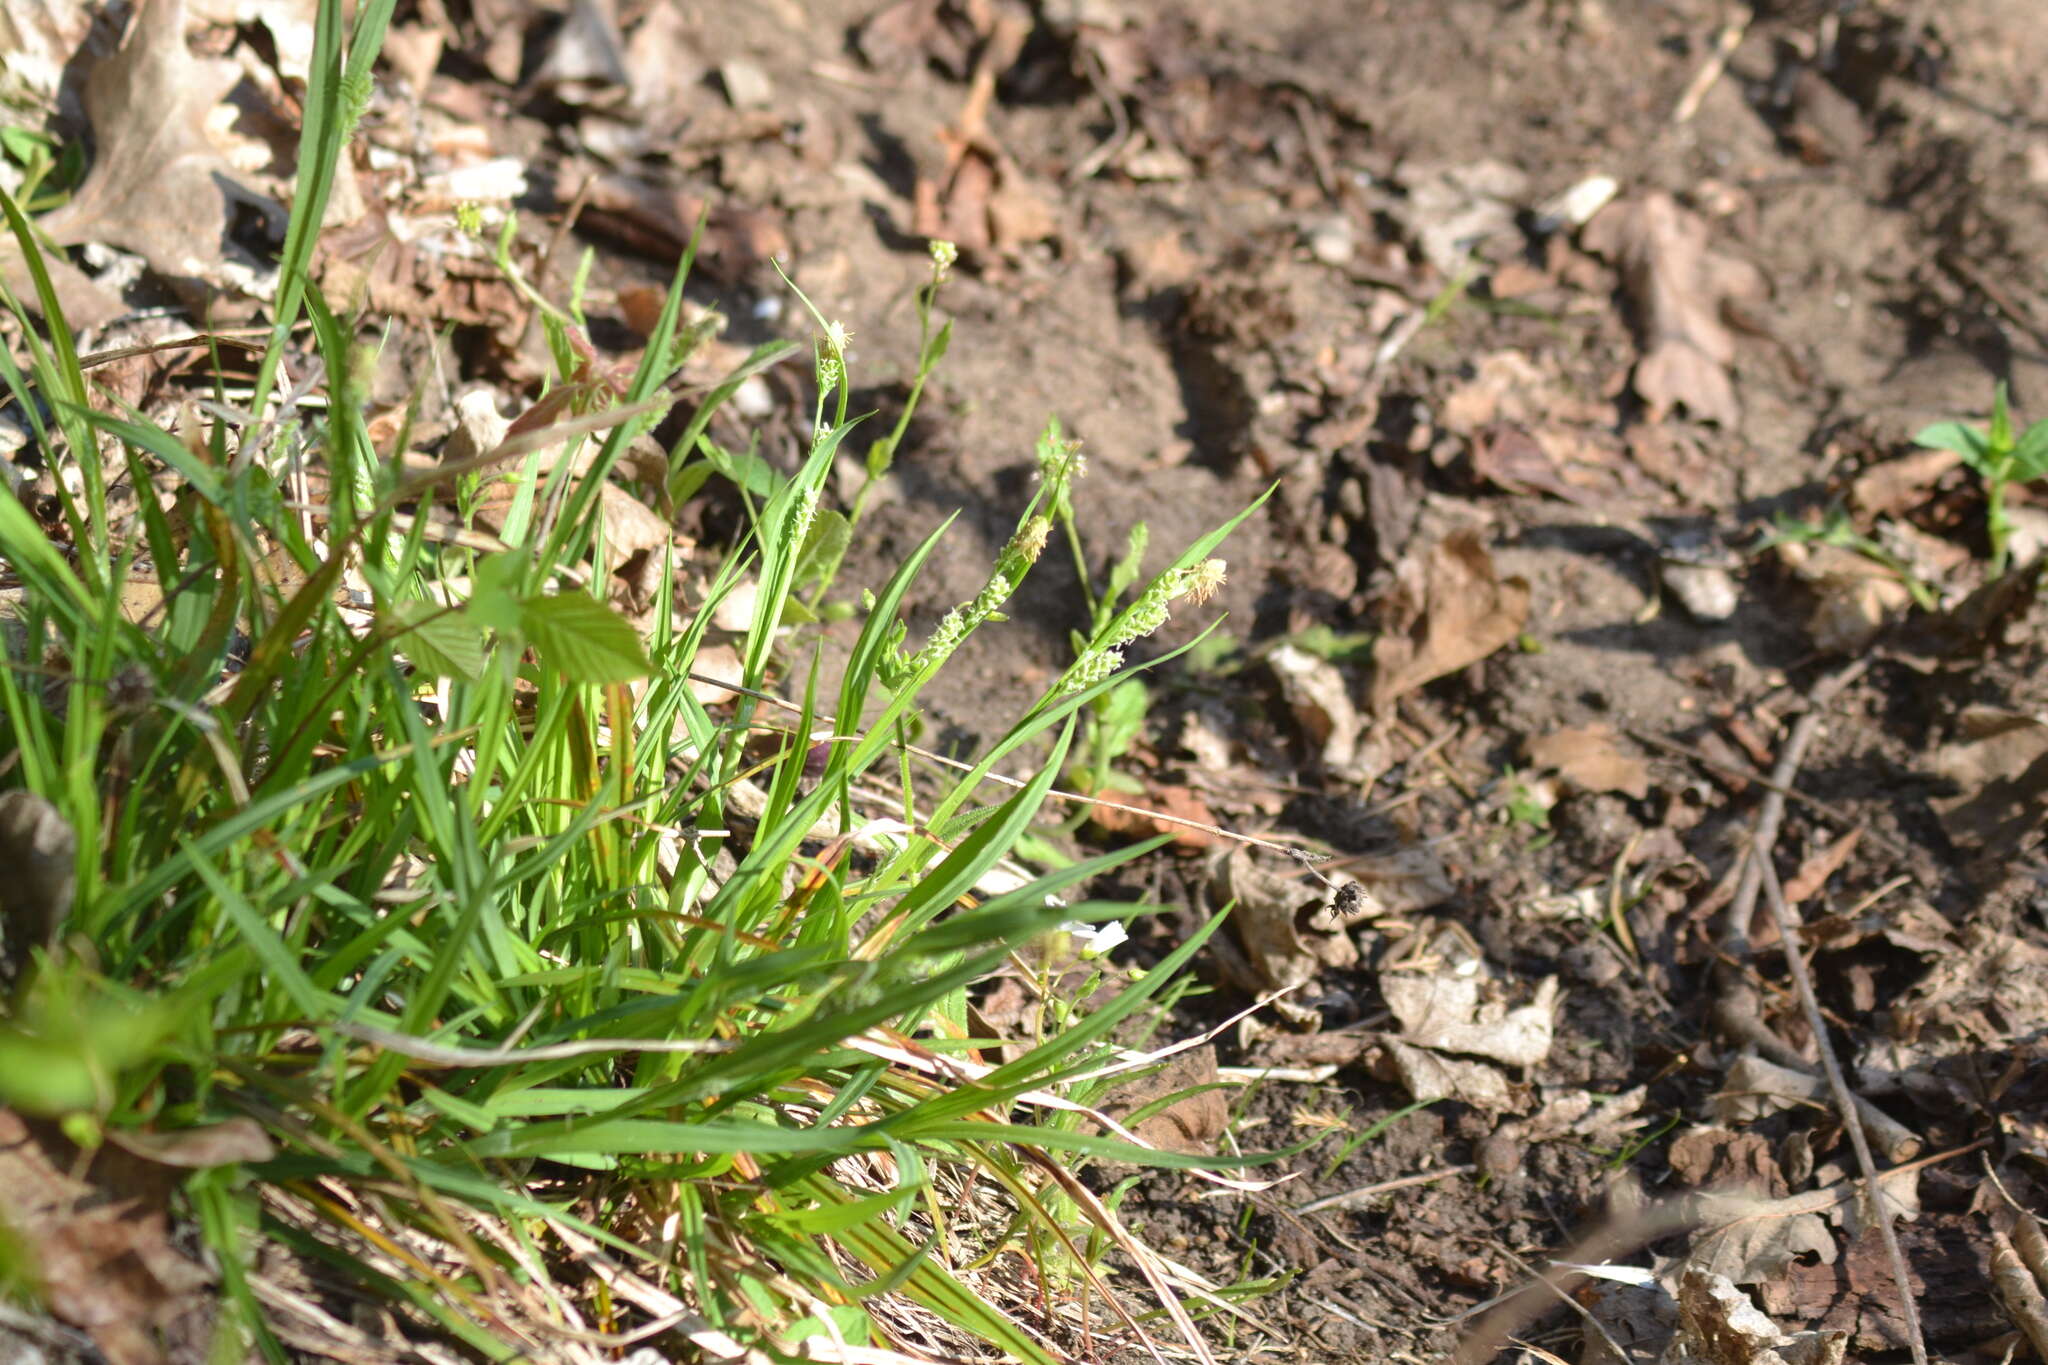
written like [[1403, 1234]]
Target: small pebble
[[1332, 240], [1707, 591], [746, 85]]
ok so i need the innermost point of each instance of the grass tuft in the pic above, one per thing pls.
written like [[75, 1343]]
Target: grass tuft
[[568, 1010]]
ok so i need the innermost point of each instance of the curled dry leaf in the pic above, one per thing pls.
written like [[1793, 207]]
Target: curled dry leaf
[[1289, 927], [1320, 701], [1677, 286], [1896, 487], [1588, 758], [721, 662], [1449, 608], [1855, 597], [1168, 798], [1753, 1241], [1718, 1325], [1428, 1076], [216, 1144], [39, 850], [1999, 765], [159, 185], [1191, 1123]]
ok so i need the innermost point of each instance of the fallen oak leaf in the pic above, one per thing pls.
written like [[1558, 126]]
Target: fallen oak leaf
[[1677, 286], [158, 185], [1588, 758], [1449, 608]]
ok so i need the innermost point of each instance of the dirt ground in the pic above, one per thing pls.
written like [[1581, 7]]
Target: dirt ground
[[1540, 319], [1322, 246]]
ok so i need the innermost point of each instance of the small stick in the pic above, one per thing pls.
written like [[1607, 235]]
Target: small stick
[[1747, 774], [1346, 1198], [1735, 930], [1703, 80], [2019, 1293], [1845, 1103]]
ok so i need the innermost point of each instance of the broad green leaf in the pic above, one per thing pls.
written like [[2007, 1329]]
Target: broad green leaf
[[586, 640], [446, 644]]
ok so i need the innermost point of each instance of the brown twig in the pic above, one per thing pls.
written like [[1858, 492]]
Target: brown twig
[[1745, 773], [1845, 1103], [1725, 42], [1346, 1198], [2020, 1293], [1771, 815]]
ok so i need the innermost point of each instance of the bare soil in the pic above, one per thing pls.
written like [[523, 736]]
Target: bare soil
[[1208, 307]]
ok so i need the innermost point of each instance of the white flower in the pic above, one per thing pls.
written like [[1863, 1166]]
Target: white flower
[[1094, 940]]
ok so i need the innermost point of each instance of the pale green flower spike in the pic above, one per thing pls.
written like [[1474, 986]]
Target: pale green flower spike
[[1029, 543], [1092, 668], [805, 513]]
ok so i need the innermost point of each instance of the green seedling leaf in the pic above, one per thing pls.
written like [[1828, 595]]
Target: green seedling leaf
[[744, 468], [446, 644], [2030, 455], [1334, 646], [1120, 716], [1965, 440], [65, 1052], [586, 640]]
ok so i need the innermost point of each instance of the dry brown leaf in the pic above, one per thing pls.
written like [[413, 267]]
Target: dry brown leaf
[[159, 186], [1448, 609], [1320, 701], [956, 207], [1763, 1238], [1896, 487], [1719, 1325], [1999, 763], [1427, 1076], [1290, 928], [106, 1267], [39, 848], [1169, 798], [721, 662], [1813, 874], [1588, 758], [1677, 286], [216, 1144], [1190, 1124], [37, 40], [1855, 597], [1706, 1158], [1445, 1011]]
